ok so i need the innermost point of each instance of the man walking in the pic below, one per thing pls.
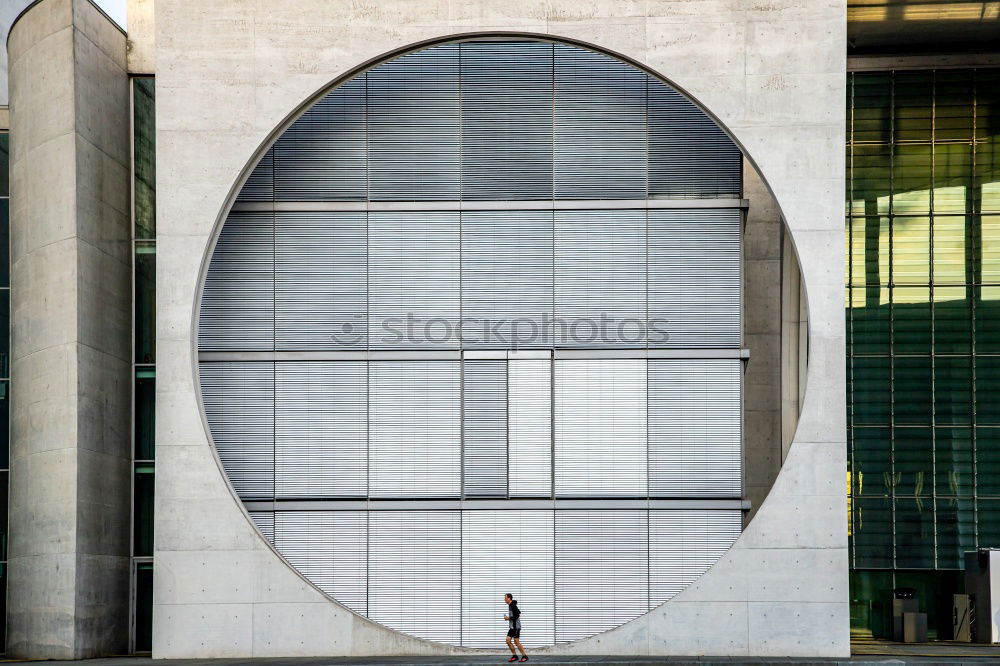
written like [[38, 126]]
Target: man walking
[[514, 632]]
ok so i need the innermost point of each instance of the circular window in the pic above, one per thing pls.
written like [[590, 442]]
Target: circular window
[[472, 326]]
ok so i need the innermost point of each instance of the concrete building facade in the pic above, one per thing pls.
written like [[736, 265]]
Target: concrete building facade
[[230, 78]]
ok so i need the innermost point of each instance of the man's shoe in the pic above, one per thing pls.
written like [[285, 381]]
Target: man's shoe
[[512, 659], [524, 658]]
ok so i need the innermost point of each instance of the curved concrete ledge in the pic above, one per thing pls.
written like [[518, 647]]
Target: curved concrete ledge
[[232, 74]]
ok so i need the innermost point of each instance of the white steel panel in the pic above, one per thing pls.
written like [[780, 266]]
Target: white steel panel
[[601, 571], [695, 434], [600, 428], [600, 278], [695, 280], [507, 253], [414, 572], [413, 280], [320, 283], [321, 425], [414, 429], [529, 427], [507, 552]]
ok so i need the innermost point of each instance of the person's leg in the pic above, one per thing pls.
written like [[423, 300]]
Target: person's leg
[[517, 642], [510, 646]]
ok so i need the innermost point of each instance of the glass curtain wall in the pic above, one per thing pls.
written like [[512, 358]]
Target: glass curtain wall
[[923, 334], [144, 357]]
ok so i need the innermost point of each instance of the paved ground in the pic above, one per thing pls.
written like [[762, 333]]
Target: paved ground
[[869, 652]]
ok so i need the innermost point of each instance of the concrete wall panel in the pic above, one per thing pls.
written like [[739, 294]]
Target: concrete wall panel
[[231, 73]]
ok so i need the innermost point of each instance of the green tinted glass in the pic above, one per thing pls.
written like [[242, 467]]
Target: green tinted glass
[[871, 532], [144, 170], [953, 462], [145, 302], [871, 461]]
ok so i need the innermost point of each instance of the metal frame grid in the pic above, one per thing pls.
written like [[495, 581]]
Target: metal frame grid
[[898, 137]]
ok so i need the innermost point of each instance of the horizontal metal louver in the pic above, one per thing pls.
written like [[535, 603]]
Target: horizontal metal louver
[[507, 253], [600, 278], [414, 429], [330, 548], [523, 540], [260, 182], [459, 286], [321, 296], [694, 278], [506, 120], [237, 304], [322, 156], [415, 570], [239, 404], [690, 156], [600, 428], [683, 545], [321, 426], [413, 127], [264, 521], [601, 570], [694, 426], [484, 428], [529, 427], [600, 126], [413, 280]]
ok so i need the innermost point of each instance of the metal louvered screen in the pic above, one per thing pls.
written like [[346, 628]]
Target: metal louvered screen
[[695, 280], [601, 566], [323, 156], [690, 157], [413, 118], [683, 545], [321, 430], [600, 428], [237, 304], [260, 183], [694, 428], [415, 572], [600, 127], [600, 278], [330, 548], [524, 540], [505, 253], [414, 429], [461, 336], [506, 120], [321, 291], [413, 280], [239, 403], [529, 427], [484, 428]]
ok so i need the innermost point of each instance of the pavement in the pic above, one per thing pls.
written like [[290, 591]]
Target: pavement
[[869, 652]]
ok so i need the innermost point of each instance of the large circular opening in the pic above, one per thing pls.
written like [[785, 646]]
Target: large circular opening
[[473, 326]]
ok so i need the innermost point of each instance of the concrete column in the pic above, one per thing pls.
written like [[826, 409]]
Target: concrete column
[[70, 334], [762, 336]]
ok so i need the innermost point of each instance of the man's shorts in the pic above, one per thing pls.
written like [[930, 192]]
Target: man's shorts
[[514, 633]]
